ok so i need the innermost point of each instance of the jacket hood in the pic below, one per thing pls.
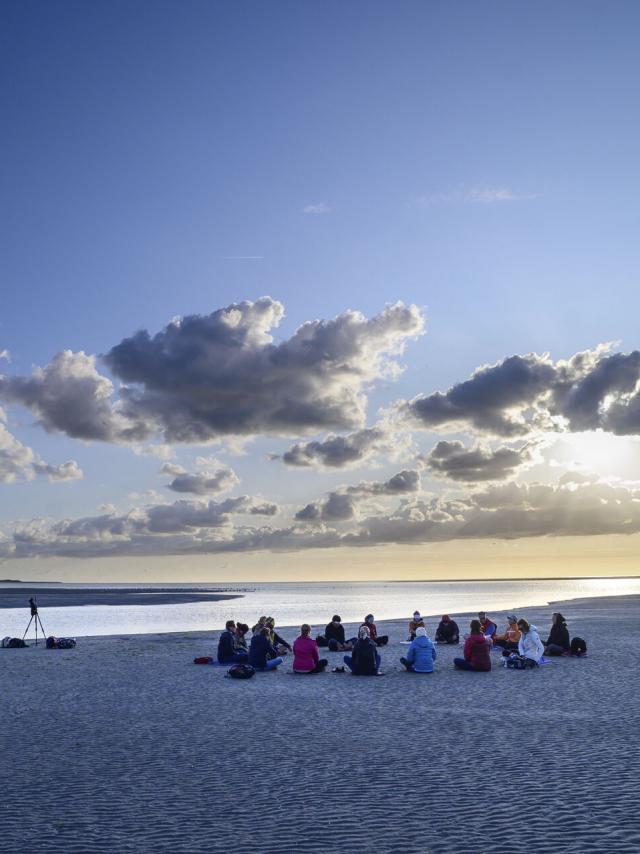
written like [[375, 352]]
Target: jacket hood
[[422, 640]]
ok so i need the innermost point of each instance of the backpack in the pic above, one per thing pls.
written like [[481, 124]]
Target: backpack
[[241, 671], [578, 646], [60, 643], [203, 659], [13, 643]]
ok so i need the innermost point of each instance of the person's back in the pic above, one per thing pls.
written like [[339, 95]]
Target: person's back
[[421, 653], [477, 651], [261, 650], [305, 651], [364, 658], [558, 642]]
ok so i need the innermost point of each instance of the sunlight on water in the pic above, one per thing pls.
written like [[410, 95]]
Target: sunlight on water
[[292, 604]]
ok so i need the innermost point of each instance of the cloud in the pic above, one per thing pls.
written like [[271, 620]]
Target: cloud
[[19, 462], [6, 355], [342, 452], [522, 395], [479, 194], [342, 504], [455, 461], [319, 208], [69, 396], [202, 483], [206, 377], [507, 511]]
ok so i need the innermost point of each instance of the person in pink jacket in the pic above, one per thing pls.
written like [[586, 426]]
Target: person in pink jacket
[[306, 658]]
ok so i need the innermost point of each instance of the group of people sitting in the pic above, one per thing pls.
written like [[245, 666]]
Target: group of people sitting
[[520, 644]]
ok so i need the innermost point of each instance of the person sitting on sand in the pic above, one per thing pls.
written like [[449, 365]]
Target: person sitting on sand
[[227, 652], [509, 638], [364, 660], [240, 638], [530, 648], [262, 653], [558, 642], [262, 622], [280, 643], [421, 653], [489, 628], [379, 640], [476, 651], [415, 622], [306, 658], [447, 631], [334, 636]]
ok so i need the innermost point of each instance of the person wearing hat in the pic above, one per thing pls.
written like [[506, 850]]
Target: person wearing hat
[[414, 623], [558, 642], [447, 631], [421, 654], [379, 640], [509, 638]]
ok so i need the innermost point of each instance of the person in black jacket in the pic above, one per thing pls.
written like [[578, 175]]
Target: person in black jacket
[[262, 654], [334, 636], [227, 651], [447, 631], [364, 660], [558, 641]]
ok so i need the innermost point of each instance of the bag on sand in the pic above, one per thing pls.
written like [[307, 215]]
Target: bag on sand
[[203, 659], [519, 662], [13, 643], [578, 646], [60, 643], [241, 671]]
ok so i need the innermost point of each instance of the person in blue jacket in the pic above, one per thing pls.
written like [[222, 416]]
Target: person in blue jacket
[[421, 653], [262, 653], [228, 652]]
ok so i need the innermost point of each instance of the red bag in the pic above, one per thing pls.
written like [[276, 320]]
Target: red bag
[[203, 659]]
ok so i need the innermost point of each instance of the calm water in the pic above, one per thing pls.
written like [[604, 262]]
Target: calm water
[[292, 603]]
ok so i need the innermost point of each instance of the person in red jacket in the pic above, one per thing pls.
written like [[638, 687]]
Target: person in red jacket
[[477, 655], [306, 658], [379, 640]]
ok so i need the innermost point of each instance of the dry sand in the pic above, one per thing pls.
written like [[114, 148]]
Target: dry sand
[[123, 745]]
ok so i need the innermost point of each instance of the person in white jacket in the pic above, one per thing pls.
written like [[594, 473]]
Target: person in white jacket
[[530, 647]]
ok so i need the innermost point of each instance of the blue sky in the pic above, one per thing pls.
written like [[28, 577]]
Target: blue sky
[[163, 159]]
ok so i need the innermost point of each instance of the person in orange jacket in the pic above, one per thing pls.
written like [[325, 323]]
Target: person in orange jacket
[[510, 637]]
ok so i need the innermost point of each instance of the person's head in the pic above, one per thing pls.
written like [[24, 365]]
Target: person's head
[[305, 630], [368, 618], [446, 618], [230, 625], [242, 628], [558, 620], [523, 625], [265, 632], [336, 618], [416, 616], [476, 628], [512, 619], [482, 616], [363, 633], [421, 632], [270, 622]]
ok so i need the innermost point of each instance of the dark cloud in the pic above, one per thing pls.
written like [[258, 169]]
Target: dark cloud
[[338, 507], [455, 461], [336, 451], [404, 482], [204, 377], [69, 396], [523, 394], [203, 483]]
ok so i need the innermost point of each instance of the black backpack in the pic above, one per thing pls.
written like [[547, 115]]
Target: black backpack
[[241, 671]]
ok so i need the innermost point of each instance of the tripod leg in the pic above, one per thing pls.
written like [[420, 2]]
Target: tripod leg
[[27, 629], [44, 634]]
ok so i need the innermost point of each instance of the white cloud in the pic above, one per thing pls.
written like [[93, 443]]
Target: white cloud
[[319, 208]]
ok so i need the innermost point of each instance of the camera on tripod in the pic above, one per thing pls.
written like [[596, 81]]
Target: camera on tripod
[[35, 618]]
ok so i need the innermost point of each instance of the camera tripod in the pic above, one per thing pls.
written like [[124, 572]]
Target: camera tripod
[[35, 619]]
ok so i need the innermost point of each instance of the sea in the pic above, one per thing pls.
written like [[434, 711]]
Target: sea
[[292, 603]]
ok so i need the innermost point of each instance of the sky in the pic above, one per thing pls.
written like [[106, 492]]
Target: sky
[[319, 290]]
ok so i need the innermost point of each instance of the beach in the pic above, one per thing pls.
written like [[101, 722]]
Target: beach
[[124, 745]]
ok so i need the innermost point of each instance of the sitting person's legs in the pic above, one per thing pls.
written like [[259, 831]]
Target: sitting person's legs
[[382, 640], [407, 664], [462, 664], [555, 649], [348, 661], [273, 663]]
